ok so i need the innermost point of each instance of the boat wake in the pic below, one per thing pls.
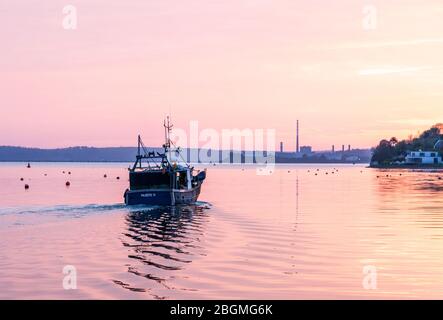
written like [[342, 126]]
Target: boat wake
[[82, 210], [20, 216], [63, 209]]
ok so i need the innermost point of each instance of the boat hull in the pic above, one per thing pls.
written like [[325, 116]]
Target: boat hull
[[162, 196]]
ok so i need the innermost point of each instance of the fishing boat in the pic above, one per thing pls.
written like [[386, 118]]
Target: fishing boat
[[156, 179]]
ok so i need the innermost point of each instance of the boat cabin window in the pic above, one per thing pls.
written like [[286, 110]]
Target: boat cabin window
[[181, 180], [149, 180]]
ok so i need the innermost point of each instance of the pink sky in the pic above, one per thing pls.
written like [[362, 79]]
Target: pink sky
[[228, 64]]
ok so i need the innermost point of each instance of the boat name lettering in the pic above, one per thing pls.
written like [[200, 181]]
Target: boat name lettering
[[147, 195]]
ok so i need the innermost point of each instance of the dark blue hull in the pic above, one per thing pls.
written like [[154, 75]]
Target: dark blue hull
[[162, 197]]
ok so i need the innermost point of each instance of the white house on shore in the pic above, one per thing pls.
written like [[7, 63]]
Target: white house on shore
[[423, 157]]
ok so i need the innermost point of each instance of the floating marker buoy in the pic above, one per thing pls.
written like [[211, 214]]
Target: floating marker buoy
[[21, 179], [105, 176], [69, 172], [26, 186], [118, 178], [63, 172], [29, 165], [68, 183]]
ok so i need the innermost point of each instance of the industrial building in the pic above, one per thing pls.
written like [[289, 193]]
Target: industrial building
[[306, 154], [305, 150]]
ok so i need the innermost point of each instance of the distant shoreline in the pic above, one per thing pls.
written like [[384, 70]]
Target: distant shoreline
[[200, 163], [65, 161], [405, 166], [128, 154]]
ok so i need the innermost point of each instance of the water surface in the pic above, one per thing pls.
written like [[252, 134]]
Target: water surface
[[304, 231]]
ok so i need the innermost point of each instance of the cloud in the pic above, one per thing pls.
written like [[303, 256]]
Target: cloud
[[389, 70], [413, 121], [400, 43]]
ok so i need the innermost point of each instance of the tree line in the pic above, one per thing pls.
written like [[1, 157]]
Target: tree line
[[393, 150]]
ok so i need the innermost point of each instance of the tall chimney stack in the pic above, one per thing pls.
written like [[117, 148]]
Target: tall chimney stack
[[297, 147], [342, 148], [281, 146], [349, 147], [333, 148]]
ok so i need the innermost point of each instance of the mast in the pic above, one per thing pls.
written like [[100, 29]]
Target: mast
[[168, 128], [138, 152]]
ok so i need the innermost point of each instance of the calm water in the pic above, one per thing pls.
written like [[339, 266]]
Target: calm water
[[289, 235]]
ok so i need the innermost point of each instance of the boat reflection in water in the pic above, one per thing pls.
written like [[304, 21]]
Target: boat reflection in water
[[161, 242]]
